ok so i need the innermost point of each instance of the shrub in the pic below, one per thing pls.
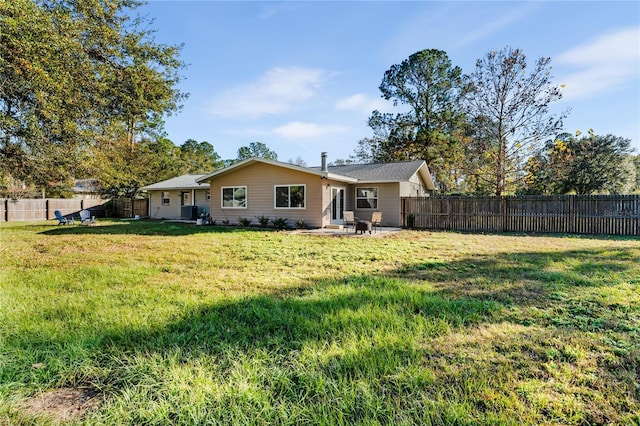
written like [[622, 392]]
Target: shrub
[[244, 221], [225, 222], [301, 224], [280, 223], [411, 220], [263, 221]]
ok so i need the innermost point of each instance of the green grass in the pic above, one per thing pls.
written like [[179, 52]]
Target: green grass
[[177, 324]]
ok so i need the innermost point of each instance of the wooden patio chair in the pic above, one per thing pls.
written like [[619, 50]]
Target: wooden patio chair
[[348, 219], [376, 220], [85, 218]]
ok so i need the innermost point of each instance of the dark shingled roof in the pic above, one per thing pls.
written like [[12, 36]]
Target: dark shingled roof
[[377, 172]]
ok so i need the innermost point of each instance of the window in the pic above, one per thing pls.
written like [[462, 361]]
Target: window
[[290, 197], [367, 198], [234, 197], [165, 199]]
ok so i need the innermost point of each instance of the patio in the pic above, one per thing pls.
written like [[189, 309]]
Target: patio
[[341, 232]]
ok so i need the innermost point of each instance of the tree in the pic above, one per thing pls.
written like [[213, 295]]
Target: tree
[[256, 149], [636, 162], [124, 168], [199, 157], [75, 74], [509, 109], [430, 86], [298, 161], [590, 164]]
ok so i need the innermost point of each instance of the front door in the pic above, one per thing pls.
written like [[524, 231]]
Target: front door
[[337, 205]]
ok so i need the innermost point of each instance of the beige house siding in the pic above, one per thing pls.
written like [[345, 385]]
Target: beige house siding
[[173, 209], [388, 202], [414, 188], [260, 179]]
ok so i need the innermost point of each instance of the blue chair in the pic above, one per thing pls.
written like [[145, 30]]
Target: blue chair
[[61, 219]]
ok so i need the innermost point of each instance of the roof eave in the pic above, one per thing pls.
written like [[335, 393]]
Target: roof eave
[[168, 188], [341, 178]]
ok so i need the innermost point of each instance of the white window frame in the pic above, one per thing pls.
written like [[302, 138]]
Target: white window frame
[[376, 198], [246, 201], [166, 201], [275, 196]]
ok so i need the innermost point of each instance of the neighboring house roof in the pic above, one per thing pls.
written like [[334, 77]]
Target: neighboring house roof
[[351, 173], [180, 182], [87, 186]]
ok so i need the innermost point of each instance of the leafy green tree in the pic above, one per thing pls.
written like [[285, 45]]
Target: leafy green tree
[[636, 163], [431, 87], [256, 149], [74, 72], [199, 157], [508, 104], [586, 165], [124, 168]]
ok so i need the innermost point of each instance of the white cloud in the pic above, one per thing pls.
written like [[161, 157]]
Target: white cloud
[[607, 63], [278, 91], [301, 130], [362, 103]]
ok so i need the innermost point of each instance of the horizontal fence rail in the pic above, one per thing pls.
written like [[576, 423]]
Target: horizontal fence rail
[[588, 214]]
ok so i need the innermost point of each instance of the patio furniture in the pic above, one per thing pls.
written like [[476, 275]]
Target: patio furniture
[[363, 225], [86, 218], [348, 219], [61, 219], [376, 220]]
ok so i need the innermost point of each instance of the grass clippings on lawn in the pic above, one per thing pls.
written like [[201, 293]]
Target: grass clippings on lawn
[[178, 324]]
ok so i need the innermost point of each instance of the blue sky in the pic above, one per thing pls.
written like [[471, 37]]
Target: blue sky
[[303, 77]]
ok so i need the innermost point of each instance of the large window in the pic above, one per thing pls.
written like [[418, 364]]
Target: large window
[[367, 198], [234, 197], [290, 197], [165, 199]]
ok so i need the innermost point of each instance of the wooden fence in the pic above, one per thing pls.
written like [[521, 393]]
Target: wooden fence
[[600, 214], [127, 207], [44, 208]]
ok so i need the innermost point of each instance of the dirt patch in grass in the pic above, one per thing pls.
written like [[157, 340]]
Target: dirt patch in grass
[[64, 404]]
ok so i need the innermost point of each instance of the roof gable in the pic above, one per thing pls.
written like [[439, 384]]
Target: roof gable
[[254, 160]]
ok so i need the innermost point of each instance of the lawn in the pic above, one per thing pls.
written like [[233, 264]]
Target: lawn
[[164, 323]]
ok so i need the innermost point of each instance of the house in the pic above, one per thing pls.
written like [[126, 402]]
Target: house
[[87, 189], [178, 198], [257, 187]]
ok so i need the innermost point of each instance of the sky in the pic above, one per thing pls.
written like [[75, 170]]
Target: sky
[[303, 77]]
